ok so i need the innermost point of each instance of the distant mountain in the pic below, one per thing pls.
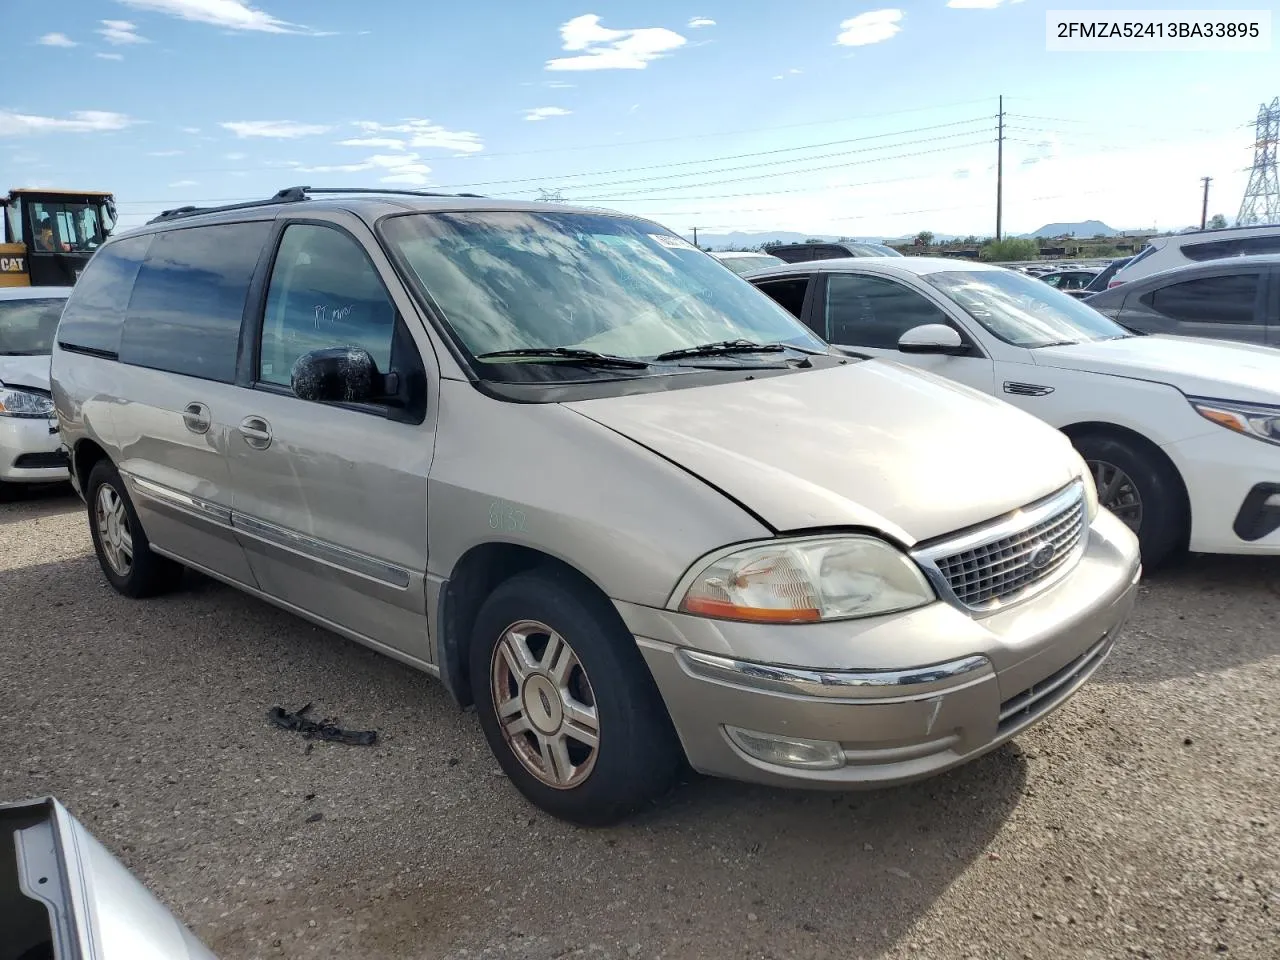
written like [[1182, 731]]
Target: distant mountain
[[1084, 230], [751, 240]]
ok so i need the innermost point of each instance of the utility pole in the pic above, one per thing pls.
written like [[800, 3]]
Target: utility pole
[[1000, 175], [695, 235], [1204, 211]]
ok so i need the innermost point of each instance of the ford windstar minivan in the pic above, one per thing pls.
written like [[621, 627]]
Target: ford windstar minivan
[[606, 490]]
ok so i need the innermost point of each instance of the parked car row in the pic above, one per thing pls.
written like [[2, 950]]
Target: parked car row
[[635, 509], [628, 506]]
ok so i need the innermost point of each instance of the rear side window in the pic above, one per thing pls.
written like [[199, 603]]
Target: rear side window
[[1214, 250], [27, 326], [1228, 299], [788, 293], [189, 299], [94, 314], [1252, 246]]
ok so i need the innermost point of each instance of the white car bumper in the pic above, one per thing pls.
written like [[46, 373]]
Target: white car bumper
[[30, 451], [1233, 483]]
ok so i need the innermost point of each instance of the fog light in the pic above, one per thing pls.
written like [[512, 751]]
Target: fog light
[[788, 751]]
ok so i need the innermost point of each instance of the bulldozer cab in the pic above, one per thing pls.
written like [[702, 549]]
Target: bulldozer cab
[[49, 235]]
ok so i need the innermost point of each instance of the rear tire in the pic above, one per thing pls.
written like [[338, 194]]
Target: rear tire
[[1142, 489], [124, 553], [566, 700]]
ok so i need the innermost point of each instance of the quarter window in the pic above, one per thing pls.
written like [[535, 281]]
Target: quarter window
[[873, 312], [324, 292], [189, 299], [1227, 299], [95, 311], [789, 293]]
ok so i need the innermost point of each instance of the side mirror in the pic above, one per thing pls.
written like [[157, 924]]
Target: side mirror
[[336, 375], [933, 338]]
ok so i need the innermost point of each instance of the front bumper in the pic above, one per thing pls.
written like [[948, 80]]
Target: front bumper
[[1222, 472], [979, 682], [30, 451]]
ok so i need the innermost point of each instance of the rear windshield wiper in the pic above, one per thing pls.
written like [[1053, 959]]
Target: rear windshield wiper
[[721, 348], [589, 357]]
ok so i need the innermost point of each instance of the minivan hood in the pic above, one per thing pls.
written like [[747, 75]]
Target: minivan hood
[[872, 444], [25, 372], [1195, 365]]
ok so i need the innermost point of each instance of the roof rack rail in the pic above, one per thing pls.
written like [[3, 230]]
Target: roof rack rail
[[295, 195]]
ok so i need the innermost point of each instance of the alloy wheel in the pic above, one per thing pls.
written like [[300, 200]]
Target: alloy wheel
[[545, 704], [114, 534], [1118, 493]]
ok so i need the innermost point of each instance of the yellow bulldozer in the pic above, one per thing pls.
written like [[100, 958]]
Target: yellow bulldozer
[[49, 235]]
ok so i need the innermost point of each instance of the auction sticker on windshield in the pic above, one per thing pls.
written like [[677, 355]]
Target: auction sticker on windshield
[[671, 242]]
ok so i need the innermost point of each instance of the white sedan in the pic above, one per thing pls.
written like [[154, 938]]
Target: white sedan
[[1182, 434], [29, 448]]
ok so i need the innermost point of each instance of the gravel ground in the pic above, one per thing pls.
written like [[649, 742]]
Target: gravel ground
[[1141, 820]]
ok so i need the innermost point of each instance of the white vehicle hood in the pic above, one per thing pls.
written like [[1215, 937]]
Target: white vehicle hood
[[1195, 365], [25, 372], [873, 444]]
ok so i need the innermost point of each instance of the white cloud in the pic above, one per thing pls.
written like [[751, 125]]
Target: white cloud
[[80, 121], [185, 183], [120, 33], [696, 22], [399, 168], [874, 27], [231, 14], [374, 143], [189, 129], [236, 156], [57, 40], [558, 85], [542, 113], [795, 70], [604, 49], [421, 134], [274, 129], [778, 77], [109, 56], [978, 4], [165, 153]]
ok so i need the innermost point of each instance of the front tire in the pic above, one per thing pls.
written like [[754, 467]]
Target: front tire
[[1141, 489], [566, 701], [124, 553]]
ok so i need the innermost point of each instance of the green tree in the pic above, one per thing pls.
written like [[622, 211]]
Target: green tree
[[1217, 222], [924, 238], [1010, 248]]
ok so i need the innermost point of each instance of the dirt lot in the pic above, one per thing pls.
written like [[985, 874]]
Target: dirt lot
[[1141, 820]]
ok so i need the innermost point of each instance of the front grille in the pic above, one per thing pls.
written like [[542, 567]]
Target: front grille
[[1016, 555], [40, 461], [1040, 698]]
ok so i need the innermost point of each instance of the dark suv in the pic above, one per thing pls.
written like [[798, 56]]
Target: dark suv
[[804, 252]]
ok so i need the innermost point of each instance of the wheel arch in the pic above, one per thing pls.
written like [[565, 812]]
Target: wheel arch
[[84, 457], [1097, 428], [476, 574]]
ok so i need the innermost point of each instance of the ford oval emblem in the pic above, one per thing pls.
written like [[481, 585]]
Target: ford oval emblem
[[1042, 556]]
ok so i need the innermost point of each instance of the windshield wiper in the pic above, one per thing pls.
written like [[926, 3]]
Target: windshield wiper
[[722, 348], [589, 357], [1058, 343]]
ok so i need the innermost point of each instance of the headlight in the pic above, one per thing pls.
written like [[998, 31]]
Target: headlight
[[803, 581], [1090, 489], [1252, 419], [21, 403]]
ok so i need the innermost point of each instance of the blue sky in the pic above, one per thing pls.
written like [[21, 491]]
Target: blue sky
[[865, 119]]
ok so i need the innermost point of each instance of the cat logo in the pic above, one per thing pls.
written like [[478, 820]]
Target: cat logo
[[13, 264]]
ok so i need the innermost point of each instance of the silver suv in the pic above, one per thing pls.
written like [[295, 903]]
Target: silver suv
[[604, 489]]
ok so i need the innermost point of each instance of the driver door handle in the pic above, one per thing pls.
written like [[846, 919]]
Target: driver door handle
[[256, 432], [196, 417]]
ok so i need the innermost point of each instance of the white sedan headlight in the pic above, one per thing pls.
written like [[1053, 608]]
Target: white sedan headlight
[[23, 403], [807, 580], [1255, 420]]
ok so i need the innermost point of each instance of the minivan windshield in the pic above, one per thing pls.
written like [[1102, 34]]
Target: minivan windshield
[[1024, 311], [525, 280], [27, 326]]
